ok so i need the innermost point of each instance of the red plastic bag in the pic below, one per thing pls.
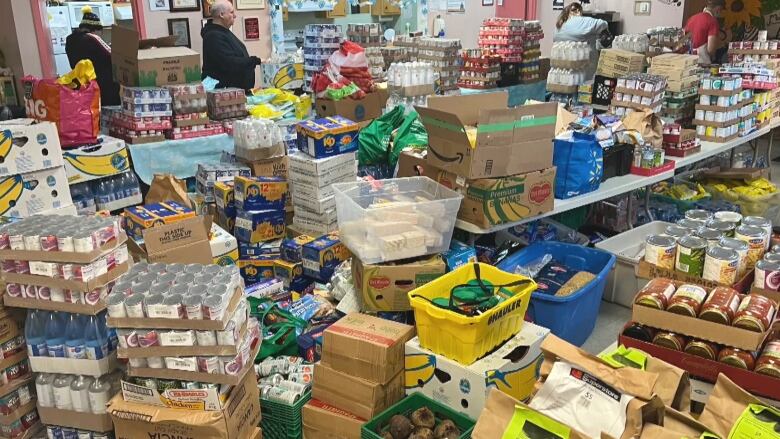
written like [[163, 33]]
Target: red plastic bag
[[75, 111], [349, 55]]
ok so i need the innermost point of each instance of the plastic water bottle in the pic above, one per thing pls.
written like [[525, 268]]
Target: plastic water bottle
[[35, 333], [44, 388], [79, 393], [113, 339], [99, 394], [95, 339], [134, 185], [104, 192], [62, 392], [74, 338], [55, 335]]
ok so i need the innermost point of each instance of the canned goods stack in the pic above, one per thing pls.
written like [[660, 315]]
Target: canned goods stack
[[725, 111], [285, 386], [682, 81], [480, 69], [443, 55], [190, 113], [679, 142], [146, 112], [638, 91], [209, 174], [226, 103], [18, 414], [366, 34], [764, 50], [503, 37], [320, 41]]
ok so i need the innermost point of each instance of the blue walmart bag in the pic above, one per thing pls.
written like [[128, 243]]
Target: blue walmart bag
[[580, 165]]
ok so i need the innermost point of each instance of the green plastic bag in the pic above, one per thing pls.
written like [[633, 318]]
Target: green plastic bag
[[374, 140], [279, 337], [411, 134]]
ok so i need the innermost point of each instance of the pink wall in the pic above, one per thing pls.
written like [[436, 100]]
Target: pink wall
[[463, 25], [157, 25], [18, 40], [512, 8]]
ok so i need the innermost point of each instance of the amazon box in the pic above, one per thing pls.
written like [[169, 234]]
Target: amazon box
[[477, 136], [237, 420], [364, 398], [324, 421], [385, 287], [366, 347], [152, 62]]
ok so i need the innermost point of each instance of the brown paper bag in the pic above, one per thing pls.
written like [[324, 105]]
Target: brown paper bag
[[673, 385], [648, 124], [676, 425], [166, 187], [725, 405], [646, 407]]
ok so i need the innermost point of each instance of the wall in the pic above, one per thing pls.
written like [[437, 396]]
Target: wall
[[512, 8], [157, 26], [18, 41], [463, 25]]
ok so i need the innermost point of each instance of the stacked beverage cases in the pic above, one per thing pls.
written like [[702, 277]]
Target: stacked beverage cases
[[61, 269]]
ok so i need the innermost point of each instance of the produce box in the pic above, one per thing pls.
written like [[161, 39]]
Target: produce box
[[224, 247], [23, 195], [26, 146], [385, 286], [152, 62], [380, 424], [359, 396], [370, 107], [322, 420]]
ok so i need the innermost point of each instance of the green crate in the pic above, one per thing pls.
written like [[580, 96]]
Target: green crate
[[276, 430], [411, 403], [282, 412]]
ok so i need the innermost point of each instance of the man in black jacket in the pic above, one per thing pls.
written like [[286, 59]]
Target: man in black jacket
[[84, 43], [225, 57]]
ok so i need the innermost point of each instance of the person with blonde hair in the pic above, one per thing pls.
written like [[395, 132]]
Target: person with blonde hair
[[704, 29]]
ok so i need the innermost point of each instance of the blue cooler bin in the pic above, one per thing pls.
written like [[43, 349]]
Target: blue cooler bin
[[573, 317]]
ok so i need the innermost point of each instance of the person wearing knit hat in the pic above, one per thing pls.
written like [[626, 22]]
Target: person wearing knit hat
[[83, 43]]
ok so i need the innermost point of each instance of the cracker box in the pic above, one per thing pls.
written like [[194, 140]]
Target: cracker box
[[140, 218], [328, 136], [26, 146], [292, 248], [255, 226], [22, 195], [321, 256], [246, 249], [224, 247], [513, 368], [257, 268], [458, 255], [288, 272], [260, 193]]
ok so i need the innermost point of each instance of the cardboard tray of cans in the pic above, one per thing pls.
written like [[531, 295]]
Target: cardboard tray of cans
[[46, 281], [714, 139], [667, 166], [712, 123], [715, 108], [774, 295], [698, 328], [183, 351], [74, 419], [639, 92], [15, 384], [708, 370], [681, 152], [646, 270], [93, 368], [198, 325], [202, 377], [58, 256], [18, 413], [48, 305], [714, 92], [559, 88]]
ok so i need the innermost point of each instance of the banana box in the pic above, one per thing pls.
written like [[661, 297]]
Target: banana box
[[26, 146], [257, 268], [255, 226], [386, 286], [140, 218], [321, 257], [288, 272], [512, 368], [292, 248], [107, 157], [22, 195], [260, 193], [328, 136], [224, 247]]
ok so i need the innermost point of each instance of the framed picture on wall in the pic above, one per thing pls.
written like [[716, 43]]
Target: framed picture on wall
[[487, 3], [642, 7], [250, 4], [184, 5], [251, 28], [180, 28], [159, 5]]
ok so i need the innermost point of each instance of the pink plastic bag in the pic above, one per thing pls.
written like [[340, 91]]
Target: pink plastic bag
[[75, 111]]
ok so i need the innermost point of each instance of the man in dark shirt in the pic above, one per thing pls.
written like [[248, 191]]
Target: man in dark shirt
[[83, 43], [225, 57]]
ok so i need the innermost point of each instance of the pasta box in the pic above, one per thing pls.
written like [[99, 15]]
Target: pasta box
[[288, 272], [328, 136], [254, 269], [292, 248], [321, 256]]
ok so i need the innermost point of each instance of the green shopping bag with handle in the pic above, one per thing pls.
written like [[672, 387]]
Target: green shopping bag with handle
[[280, 328]]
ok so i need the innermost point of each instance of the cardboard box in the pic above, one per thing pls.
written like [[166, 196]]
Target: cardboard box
[[108, 157], [357, 110], [27, 147], [513, 368], [209, 399], [224, 197], [292, 248], [317, 205], [255, 269], [458, 255], [246, 249], [185, 241], [645, 270], [95, 283], [67, 257], [224, 247], [273, 167], [321, 256], [24, 195], [93, 368], [260, 225], [774, 295], [327, 136], [74, 419], [522, 144], [385, 287], [324, 421], [366, 347], [151, 62], [260, 193], [674, 61], [238, 419], [329, 217], [248, 155], [288, 272], [364, 398], [314, 226], [324, 171], [140, 218]]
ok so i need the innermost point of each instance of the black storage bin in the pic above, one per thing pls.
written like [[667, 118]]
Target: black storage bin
[[617, 160], [603, 89], [510, 74]]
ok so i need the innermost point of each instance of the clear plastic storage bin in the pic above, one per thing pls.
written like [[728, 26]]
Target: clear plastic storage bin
[[398, 218]]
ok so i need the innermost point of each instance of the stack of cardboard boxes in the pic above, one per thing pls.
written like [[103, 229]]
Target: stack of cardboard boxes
[[18, 415], [359, 376], [682, 82], [616, 62], [32, 173]]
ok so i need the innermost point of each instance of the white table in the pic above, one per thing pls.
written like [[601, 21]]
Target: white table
[[621, 185]]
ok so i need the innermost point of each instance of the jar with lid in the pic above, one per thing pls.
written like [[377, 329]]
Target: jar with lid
[[703, 348], [737, 357], [755, 313], [640, 332], [687, 300], [769, 361], [656, 293], [721, 305], [670, 340]]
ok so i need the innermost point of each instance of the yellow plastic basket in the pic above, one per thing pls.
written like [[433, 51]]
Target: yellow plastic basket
[[466, 339]]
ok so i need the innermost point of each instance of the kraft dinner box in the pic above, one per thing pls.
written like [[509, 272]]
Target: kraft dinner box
[[328, 136]]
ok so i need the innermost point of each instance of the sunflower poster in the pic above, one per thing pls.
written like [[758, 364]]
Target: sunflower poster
[[742, 19]]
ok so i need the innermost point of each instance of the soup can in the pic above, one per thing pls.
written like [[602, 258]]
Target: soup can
[[698, 215], [721, 265], [756, 238], [691, 252], [660, 251], [767, 275], [741, 247]]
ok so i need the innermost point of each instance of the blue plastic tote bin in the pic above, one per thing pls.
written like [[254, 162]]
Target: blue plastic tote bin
[[573, 317]]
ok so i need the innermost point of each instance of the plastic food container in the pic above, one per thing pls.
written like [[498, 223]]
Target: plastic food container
[[399, 218], [374, 428]]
